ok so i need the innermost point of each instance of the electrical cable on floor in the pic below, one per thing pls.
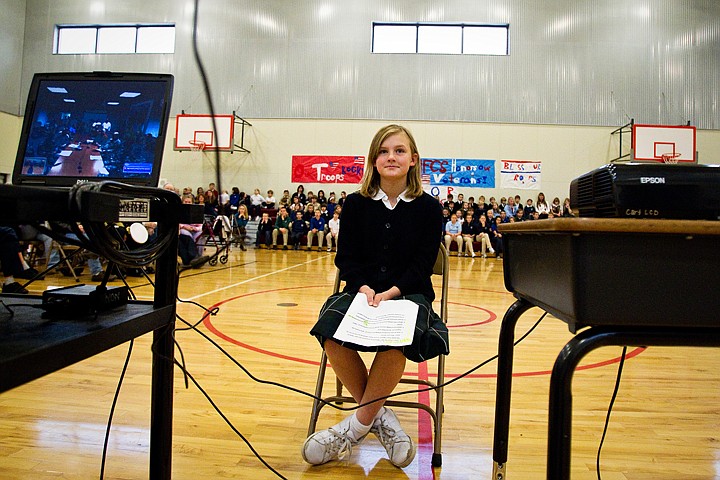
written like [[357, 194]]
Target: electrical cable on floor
[[355, 407], [228, 422], [187, 376], [112, 409], [610, 407]]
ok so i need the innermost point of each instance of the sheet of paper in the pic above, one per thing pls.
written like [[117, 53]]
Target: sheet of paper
[[391, 323]]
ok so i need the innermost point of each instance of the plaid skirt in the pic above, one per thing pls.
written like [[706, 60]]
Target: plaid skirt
[[429, 340]]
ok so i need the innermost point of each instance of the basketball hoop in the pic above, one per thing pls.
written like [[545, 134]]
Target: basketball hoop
[[197, 145], [671, 158]]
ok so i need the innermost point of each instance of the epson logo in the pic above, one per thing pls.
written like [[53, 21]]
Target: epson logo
[[652, 179]]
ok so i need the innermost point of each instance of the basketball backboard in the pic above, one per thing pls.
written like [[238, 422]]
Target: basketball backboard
[[667, 144], [191, 130]]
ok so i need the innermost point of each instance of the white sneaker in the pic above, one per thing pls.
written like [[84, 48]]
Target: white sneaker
[[492, 252], [398, 445], [331, 444]]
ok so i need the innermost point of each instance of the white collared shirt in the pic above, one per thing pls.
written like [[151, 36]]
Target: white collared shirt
[[380, 195]]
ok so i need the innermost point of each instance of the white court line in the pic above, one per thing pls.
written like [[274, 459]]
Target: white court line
[[254, 278]]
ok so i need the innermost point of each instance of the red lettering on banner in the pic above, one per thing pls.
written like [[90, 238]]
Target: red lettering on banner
[[327, 169]]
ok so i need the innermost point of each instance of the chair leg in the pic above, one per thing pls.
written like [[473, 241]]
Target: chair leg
[[317, 404], [439, 411]]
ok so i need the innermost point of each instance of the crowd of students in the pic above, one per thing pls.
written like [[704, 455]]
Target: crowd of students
[[469, 222], [297, 218]]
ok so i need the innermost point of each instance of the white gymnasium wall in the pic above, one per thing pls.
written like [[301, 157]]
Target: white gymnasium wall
[[10, 133], [565, 152]]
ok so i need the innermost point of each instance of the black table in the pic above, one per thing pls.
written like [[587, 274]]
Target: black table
[[32, 346], [616, 282]]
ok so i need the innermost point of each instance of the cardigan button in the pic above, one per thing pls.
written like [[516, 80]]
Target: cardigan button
[[383, 269], [387, 225]]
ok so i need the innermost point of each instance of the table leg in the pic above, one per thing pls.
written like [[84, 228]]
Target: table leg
[[162, 405], [504, 386], [560, 408], [161, 410]]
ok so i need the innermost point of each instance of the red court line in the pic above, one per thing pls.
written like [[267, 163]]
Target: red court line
[[211, 327]]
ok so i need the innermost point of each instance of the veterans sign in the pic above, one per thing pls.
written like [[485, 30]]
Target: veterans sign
[[458, 172]]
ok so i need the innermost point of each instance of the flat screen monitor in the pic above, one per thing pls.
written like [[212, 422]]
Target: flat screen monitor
[[87, 127]]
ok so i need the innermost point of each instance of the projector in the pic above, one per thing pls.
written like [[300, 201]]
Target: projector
[[647, 190]]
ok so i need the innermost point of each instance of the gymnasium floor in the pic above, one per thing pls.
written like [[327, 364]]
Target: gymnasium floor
[[665, 423]]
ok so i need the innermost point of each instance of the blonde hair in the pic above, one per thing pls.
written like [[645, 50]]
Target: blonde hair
[[371, 178]]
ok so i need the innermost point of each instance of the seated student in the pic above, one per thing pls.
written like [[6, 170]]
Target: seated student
[[300, 195], [470, 230], [445, 217], [242, 217], [10, 260], [265, 230], [285, 199], [94, 262], [334, 231], [555, 208], [269, 201], [453, 233], [29, 232], [256, 201], [331, 204], [298, 228], [529, 210], [520, 215], [484, 236], [325, 213], [317, 228], [392, 211], [309, 213], [496, 236], [188, 235], [282, 226]]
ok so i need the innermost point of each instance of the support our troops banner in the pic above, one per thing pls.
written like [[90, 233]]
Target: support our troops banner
[[523, 174], [327, 169]]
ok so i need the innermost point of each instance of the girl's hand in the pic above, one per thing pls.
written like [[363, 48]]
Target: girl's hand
[[386, 295], [369, 293]]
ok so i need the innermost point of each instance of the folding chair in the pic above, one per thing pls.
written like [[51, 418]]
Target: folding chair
[[441, 269], [72, 261]]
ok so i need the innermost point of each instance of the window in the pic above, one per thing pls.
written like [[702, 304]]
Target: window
[[91, 39], [440, 38]]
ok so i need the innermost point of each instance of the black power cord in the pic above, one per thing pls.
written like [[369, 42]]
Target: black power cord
[[112, 410], [610, 407]]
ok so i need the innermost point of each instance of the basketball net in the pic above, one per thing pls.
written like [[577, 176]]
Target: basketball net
[[671, 158], [197, 146]]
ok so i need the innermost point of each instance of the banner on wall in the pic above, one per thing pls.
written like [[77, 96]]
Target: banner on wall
[[522, 174], [327, 169], [458, 172]]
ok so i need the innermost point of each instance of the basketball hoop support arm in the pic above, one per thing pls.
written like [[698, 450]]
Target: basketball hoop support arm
[[621, 131], [242, 122]]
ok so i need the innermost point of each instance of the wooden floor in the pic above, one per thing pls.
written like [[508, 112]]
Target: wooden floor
[[665, 423]]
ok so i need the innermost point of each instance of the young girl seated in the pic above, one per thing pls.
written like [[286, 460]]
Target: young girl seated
[[390, 238]]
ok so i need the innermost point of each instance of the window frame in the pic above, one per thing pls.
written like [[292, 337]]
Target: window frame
[[57, 47], [462, 26]]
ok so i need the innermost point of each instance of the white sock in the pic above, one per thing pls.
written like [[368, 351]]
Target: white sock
[[379, 414], [9, 280], [357, 429], [25, 265]]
